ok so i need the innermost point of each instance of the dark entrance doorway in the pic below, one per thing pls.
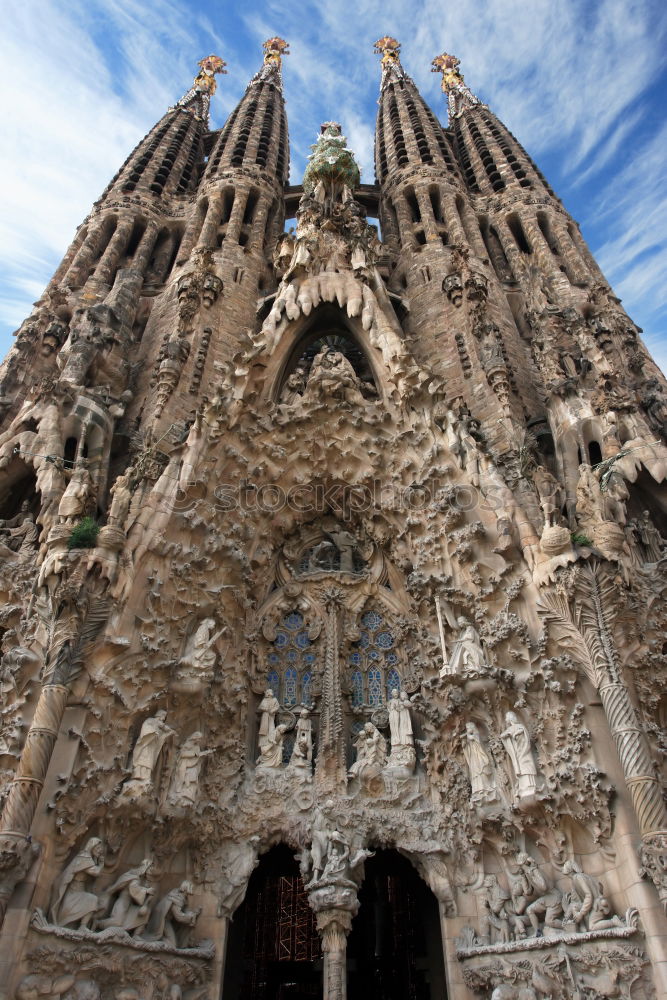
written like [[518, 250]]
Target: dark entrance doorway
[[394, 951], [273, 952]]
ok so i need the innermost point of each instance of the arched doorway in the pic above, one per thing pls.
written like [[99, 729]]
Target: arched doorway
[[394, 951], [273, 951]]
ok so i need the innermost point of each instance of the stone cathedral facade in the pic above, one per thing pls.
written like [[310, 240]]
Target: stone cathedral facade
[[334, 648]]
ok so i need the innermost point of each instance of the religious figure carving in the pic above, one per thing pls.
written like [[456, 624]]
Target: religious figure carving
[[467, 653], [480, 767], [371, 748], [171, 920], [194, 670], [129, 900], [152, 738], [268, 706], [185, 779], [75, 498], [400, 721], [121, 497], [74, 903], [495, 925], [551, 495], [516, 741], [241, 862], [271, 750], [332, 375], [20, 532]]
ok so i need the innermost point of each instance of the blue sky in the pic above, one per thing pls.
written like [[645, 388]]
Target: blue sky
[[582, 84]]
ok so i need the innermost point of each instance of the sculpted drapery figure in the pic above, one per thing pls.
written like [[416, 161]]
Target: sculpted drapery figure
[[400, 721], [74, 903], [73, 503], [516, 741], [480, 768], [185, 779], [271, 751], [371, 748], [171, 920], [131, 908], [467, 654], [268, 706], [152, 738]]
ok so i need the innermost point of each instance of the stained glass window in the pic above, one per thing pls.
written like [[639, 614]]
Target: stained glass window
[[373, 662], [290, 662]]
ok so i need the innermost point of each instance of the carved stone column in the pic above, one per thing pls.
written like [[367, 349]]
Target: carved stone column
[[330, 770], [335, 904]]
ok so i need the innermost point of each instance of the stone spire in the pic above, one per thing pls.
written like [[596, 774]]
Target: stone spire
[[459, 96]]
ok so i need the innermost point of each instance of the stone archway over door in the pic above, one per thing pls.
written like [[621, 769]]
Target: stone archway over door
[[274, 950], [394, 951]]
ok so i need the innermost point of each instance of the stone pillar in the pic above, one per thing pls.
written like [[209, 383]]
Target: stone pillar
[[236, 217], [192, 231], [90, 248], [330, 770], [106, 269], [145, 248], [26, 787], [209, 230], [335, 904]]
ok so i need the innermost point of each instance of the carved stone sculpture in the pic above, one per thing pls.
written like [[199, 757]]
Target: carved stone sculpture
[[480, 767], [467, 653], [171, 920], [75, 905], [271, 750], [152, 738], [129, 900], [371, 748], [185, 779], [268, 706], [517, 743]]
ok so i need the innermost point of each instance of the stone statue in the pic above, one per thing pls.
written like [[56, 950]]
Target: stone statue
[[74, 904], [467, 653], [271, 750], [516, 741], [194, 670], [121, 497], [75, 498], [302, 753], [586, 903], [133, 901], [20, 531], [152, 738], [185, 779], [551, 495], [650, 537], [268, 706], [480, 768], [171, 920], [371, 748], [495, 925], [400, 722], [332, 375], [346, 544], [236, 873]]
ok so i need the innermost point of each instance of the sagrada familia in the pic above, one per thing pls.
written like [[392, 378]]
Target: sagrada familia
[[334, 643]]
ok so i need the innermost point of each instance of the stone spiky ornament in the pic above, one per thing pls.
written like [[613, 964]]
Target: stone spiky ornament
[[331, 162]]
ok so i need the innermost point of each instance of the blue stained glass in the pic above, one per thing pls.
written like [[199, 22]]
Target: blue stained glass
[[373, 655], [356, 728], [357, 688], [391, 658], [364, 640], [280, 640], [293, 621], [355, 658], [273, 681], [374, 687], [305, 688], [384, 640], [274, 658], [371, 620], [308, 657], [393, 681], [290, 694], [302, 640], [291, 655]]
